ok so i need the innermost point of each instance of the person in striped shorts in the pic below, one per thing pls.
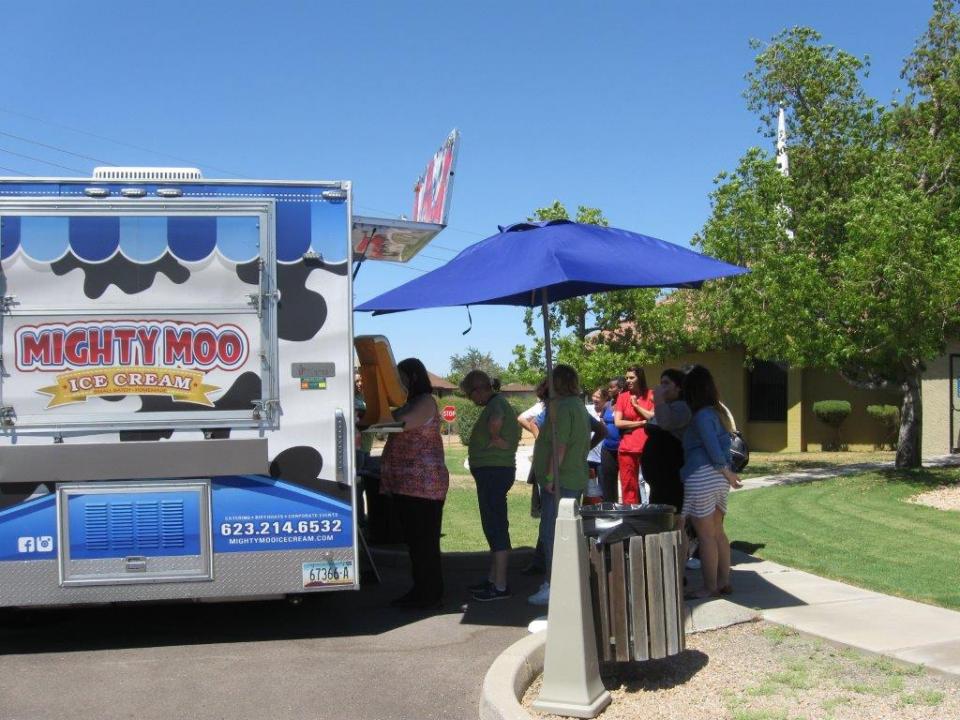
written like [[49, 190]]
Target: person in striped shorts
[[707, 479]]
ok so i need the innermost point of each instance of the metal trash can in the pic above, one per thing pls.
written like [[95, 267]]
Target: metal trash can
[[636, 577]]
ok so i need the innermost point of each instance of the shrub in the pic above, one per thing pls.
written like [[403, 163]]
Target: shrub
[[889, 417], [467, 414], [833, 413], [521, 402]]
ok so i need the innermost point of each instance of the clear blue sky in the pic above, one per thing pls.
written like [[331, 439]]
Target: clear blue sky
[[633, 107]]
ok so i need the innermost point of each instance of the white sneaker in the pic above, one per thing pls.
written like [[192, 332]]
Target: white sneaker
[[537, 625], [541, 596]]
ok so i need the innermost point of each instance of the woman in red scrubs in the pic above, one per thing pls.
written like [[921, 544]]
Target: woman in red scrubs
[[634, 407]]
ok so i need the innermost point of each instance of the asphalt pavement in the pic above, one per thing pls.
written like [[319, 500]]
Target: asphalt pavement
[[335, 655]]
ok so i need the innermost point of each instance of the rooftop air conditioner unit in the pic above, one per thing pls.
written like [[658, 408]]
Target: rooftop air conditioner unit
[[146, 173]]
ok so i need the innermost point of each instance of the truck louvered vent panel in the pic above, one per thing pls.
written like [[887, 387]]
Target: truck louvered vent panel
[[146, 173], [148, 525], [122, 529], [171, 517], [135, 525], [98, 526]]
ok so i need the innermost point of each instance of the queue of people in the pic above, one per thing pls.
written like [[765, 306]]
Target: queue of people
[[673, 438]]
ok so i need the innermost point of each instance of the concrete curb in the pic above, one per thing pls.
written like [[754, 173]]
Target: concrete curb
[[510, 676], [516, 667]]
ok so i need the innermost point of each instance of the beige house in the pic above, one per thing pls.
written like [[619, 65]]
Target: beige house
[[773, 404], [940, 393]]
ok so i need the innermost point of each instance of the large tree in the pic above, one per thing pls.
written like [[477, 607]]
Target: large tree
[[854, 256], [473, 359]]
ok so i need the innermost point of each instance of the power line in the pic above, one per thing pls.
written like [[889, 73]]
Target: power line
[[379, 210], [18, 172], [441, 247], [432, 257], [40, 160], [54, 147], [116, 142], [407, 267], [467, 232]]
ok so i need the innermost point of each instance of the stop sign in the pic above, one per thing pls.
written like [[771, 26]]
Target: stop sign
[[449, 413]]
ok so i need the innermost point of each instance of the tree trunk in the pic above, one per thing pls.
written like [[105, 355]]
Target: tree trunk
[[911, 418]]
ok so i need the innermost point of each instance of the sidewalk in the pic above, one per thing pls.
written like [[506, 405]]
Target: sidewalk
[[801, 476], [902, 629]]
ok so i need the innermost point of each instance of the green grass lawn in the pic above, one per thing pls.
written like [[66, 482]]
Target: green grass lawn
[[761, 463], [461, 519], [858, 529], [455, 455]]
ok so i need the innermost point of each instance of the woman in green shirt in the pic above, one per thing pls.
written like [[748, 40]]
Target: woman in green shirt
[[492, 454], [568, 477]]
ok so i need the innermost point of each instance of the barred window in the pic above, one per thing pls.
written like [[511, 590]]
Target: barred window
[[767, 392]]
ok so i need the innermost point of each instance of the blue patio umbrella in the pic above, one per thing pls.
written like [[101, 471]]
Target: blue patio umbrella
[[535, 263]]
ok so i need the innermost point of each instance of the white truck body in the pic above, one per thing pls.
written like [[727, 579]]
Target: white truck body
[[176, 389]]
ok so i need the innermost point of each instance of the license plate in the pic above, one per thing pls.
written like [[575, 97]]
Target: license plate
[[331, 572]]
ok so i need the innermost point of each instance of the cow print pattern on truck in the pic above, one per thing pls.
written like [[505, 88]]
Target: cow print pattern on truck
[[128, 276], [300, 312]]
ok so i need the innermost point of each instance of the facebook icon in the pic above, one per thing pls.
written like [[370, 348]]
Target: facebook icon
[[26, 545]]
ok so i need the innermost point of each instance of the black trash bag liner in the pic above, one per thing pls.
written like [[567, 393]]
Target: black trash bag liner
[[612, 522]]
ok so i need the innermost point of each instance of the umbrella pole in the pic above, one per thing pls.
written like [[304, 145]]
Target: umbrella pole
[[554, 468], [545, 309]]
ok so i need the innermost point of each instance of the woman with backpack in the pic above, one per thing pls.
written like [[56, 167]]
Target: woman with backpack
[[707, 479]]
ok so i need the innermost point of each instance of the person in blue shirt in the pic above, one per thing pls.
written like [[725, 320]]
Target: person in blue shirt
[[609, 464], [707, 479]]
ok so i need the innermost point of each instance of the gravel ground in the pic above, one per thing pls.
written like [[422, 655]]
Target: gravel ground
[[761, 671], [946, 497]]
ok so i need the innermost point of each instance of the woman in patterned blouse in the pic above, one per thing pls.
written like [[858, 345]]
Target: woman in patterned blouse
[[413, 471]]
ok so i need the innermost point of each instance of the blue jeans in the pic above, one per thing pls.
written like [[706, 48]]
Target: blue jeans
[[550, 504], [493, 484]]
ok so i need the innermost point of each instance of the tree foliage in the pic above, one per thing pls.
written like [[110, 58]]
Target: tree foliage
[[854, 256], [599, 335], [473, 359], [568, 320]]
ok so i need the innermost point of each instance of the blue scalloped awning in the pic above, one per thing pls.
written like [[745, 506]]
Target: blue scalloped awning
[[301, 227]]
